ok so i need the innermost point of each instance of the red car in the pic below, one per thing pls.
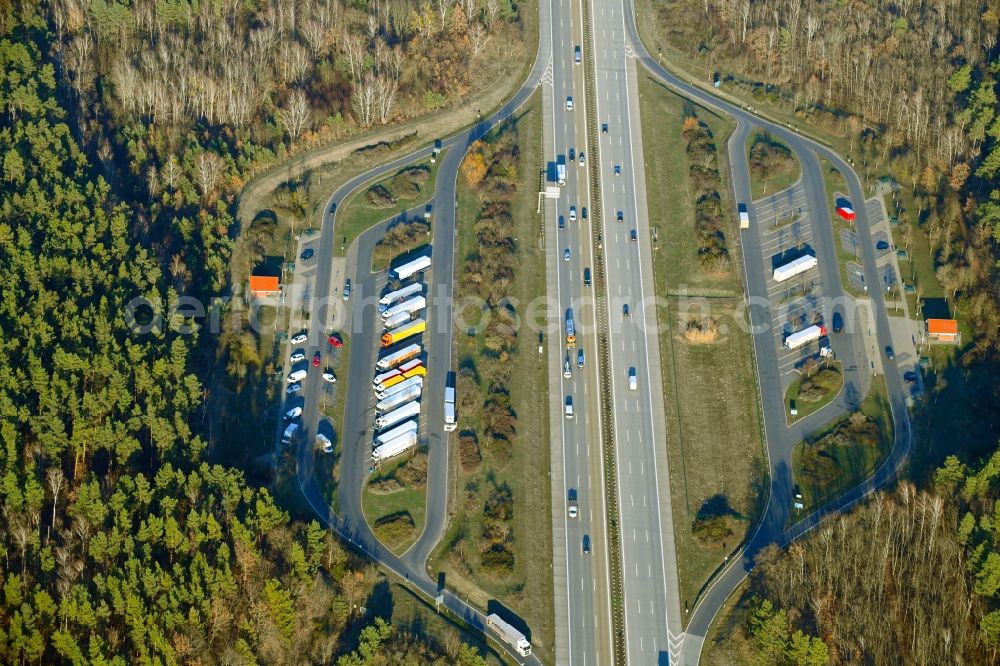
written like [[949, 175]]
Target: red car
[[335, 341], [316, 360]]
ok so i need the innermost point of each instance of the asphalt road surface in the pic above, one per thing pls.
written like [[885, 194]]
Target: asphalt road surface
[[582, 607]]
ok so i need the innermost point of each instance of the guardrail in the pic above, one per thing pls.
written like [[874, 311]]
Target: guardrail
[[615, 581]]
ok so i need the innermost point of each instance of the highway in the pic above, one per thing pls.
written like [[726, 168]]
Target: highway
[[653, 623], [583, 612]]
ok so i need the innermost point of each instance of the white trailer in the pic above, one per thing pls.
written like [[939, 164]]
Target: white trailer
[[401, 386], [409, 307], [395, 400], [395, 320], [794, 267], [805, 336], [418, 265], [409, 426], [449, 409], [394, 447], [390, 361], [382, 376], [509, 635], [399, 295], [407, 411]]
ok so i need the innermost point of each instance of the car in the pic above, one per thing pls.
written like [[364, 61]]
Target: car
[[567, 373], [569, 103], [572, 154], [625, 310], [572, 213], [307, 254], [562, 222], [571, 504], [335, 341], [633, 236], [581, 158], [888, 353], [583, 212], [566, 254], [294, 388], [577, 55], [909, 376], [316, 359], [328, 376], [618, 169], [293, 413], [604, 128], [586, 544], [296, 357], [633, 383], [347, 290], [586, 277], [325, 442], [882, 245], [299, 339], [579, 358], [621, 216], [838, 322]]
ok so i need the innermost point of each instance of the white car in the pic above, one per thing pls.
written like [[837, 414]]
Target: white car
[[325, 441], [300, 339], [632, 383], [293, 413], [294, 388], [572, 213], [296, 357], [330, 377], [567, 373], [569, 103]]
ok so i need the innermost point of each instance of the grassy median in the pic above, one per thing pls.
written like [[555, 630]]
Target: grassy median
[[709, 381]]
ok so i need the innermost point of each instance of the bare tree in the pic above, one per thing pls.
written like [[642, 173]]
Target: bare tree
[[385, 97], [171, 173], [363, 100], [208, 168], [478, 36], [55, 478], [354, 50], [295, 116]]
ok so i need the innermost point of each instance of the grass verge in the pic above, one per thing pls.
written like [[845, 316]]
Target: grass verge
[[404, 189], [833, 181], [807, 407], [523, 469], [710, 393], [838, 456], [397, 516], [332, 405]]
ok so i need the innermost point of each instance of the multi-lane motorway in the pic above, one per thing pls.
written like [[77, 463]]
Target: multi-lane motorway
[[653, 622]]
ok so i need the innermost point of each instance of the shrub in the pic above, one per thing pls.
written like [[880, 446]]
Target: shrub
[[413, 474], [394, 528], [820, 385], [468, 451], [497, 560], [378, 196], [712, 529]]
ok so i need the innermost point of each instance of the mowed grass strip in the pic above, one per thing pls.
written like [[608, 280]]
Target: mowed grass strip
[[396, 518], [527, 590], [773, 165], [710, 390]]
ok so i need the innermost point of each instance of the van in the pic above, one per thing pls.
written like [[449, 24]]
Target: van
[[296, 376], [569, 103], [569, 406], [289, 434], [586, 277], [577, 56], [579, 358]]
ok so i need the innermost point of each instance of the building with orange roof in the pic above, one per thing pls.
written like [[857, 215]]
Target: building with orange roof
[[264, 285], [943, 330]]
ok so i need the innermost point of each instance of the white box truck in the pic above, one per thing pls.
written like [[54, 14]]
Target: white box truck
[[394, 447], [404, 385], [397, 399], [410, 268], [744, 216], [399, 295], [402, 429], [805, 336], [449, 409], [794, 267], [395, 320], [509, 635], [410, 307], [408, 411]]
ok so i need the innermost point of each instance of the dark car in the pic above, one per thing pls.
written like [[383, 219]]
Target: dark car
[[583, 212], [882, 245], [586, 277], [909, 376], [620, 216], [625, 310], [586, 543], [888, 353], [618, 169], [307, 253], [633, 235], [604, 128], [562, 222], [572, 154], [316, 360], [838, 322]]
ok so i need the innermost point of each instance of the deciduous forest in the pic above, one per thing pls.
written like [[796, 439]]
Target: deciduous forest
[[126, 130]]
